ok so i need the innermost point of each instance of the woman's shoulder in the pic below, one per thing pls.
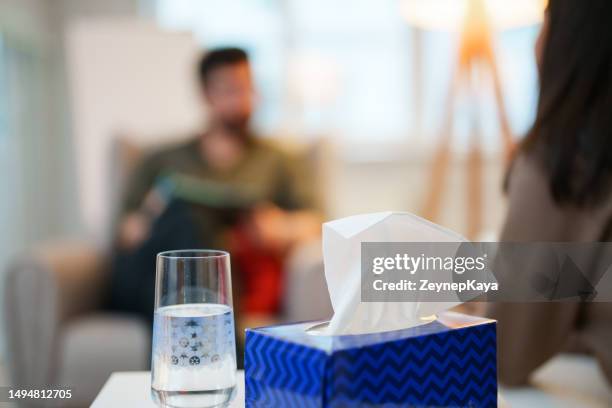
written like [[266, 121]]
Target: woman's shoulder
[[533, 213], [526, 173]]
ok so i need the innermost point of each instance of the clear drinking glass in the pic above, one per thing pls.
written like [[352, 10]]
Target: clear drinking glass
[[194, 351]]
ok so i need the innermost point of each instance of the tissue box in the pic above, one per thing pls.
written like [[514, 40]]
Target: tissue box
[[448, 362]]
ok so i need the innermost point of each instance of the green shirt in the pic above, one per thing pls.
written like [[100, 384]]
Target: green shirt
[[265, 173]]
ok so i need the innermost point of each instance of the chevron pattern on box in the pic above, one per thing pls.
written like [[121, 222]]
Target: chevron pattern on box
[[455, 368], [282, 374]]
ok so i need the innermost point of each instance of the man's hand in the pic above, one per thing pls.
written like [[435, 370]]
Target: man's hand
[[269, 226], [133, 230], [278, 229], [135, 227]]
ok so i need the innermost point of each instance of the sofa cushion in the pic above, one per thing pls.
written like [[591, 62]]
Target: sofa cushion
[[93, 347]]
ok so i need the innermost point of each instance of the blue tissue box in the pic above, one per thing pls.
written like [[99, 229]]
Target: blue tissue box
[[451, 361]]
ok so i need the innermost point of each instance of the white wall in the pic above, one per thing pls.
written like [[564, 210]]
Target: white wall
[[127, 79], [358, 183]]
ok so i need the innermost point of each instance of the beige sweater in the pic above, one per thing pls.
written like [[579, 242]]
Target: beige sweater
[[530, 334]]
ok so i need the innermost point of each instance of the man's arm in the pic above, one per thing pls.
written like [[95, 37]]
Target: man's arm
[[134, 220]]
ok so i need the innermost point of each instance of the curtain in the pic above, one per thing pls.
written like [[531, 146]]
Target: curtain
[[26, 146]]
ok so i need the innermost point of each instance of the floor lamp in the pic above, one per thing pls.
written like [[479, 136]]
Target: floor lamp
[[475, 20]]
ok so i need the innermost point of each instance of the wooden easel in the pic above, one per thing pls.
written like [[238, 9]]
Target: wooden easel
[[475, 51]]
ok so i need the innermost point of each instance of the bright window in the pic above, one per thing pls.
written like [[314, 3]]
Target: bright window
[[347, 67]]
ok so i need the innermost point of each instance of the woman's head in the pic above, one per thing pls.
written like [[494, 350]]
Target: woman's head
[[572, 133]]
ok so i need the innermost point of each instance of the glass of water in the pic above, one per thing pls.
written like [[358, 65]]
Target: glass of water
[[194, 351]]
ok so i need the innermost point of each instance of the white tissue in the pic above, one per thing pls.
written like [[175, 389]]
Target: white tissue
[[342, 259]]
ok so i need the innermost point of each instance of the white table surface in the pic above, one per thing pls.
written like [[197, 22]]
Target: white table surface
[[566, 381], [133, 389]]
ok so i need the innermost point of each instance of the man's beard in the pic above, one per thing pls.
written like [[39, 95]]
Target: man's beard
[[236, 125]]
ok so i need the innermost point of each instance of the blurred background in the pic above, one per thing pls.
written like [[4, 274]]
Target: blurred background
[[77, 75], [363, 88]]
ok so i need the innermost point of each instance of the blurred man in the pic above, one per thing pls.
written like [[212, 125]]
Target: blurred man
[[224, 188]]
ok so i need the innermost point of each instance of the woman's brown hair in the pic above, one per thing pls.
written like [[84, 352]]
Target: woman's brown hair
[[572, 132]]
